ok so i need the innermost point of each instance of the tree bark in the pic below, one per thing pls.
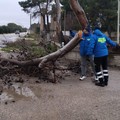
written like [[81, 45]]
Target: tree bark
[[61, 52], [79, 12], [58, 23]]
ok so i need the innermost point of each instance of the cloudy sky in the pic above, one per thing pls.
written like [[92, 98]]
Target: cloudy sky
[[11, 12]]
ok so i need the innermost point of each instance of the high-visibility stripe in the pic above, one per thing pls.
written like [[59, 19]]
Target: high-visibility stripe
[[100, 77], [101, 40], [105, 74], [98, 73], [105, 70]]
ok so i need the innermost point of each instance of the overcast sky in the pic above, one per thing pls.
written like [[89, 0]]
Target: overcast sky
[[11, 12]]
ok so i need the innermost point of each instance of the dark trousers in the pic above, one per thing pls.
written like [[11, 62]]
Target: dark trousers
[[101, 68]]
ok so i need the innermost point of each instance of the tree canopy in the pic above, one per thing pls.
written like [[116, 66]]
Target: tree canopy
[[33, 7], [104, 11], [11, 28]]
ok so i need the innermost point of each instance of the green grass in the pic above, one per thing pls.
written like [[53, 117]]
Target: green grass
[[33, 50]]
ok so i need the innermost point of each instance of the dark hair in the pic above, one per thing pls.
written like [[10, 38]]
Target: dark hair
[[98, 25], [87, 28]]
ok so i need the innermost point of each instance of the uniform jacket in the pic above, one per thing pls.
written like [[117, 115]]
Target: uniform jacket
[[98, 46], [84, 43]]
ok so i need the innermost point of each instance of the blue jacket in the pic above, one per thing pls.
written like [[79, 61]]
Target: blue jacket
[[87, 38], [72, 33], [98, 46]]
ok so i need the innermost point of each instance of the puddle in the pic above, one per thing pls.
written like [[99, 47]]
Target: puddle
[[16, 92], [23, 90], [5, 97]]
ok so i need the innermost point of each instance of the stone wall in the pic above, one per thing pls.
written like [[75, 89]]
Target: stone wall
[[75, 55], [115, 60]]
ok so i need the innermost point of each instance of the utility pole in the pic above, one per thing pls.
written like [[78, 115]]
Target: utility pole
[[30, 22], [118, 23]]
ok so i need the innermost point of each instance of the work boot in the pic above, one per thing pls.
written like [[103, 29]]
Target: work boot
[[106, 82], [95, 80], [100, 83]]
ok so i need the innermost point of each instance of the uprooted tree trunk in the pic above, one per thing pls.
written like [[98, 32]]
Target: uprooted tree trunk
[[61, 52]]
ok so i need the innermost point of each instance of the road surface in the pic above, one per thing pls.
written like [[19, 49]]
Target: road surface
[[69, 100]]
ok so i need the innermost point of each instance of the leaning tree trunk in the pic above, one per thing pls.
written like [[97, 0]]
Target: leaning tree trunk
[[79, 12], [61, 52]]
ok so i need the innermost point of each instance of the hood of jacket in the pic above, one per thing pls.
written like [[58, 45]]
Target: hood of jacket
[[98, 32]]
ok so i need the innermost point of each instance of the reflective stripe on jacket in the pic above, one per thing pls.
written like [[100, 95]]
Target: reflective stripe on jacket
[[99, 46]]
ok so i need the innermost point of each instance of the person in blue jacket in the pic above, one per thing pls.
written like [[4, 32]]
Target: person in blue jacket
[[87, 37], [72, 33], [98, 47]]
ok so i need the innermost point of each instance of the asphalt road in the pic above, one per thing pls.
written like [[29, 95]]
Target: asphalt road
[[69, 100]]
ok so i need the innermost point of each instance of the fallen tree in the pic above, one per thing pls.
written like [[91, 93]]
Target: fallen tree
[[79, 12], [45, 65]]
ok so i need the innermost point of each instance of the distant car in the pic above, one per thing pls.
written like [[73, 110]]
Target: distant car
[[17, 32]]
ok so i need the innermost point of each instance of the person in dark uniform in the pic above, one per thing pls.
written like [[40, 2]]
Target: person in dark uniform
[[98, 47]]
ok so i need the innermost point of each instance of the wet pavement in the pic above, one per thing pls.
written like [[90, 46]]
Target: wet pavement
[[70, 99], [16, 92], [10, 38]]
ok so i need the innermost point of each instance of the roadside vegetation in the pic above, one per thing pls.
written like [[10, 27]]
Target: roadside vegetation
[[11, 28], [30, 47]]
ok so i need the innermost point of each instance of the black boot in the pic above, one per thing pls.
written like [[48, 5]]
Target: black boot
[[100, 83], [106, 80]]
